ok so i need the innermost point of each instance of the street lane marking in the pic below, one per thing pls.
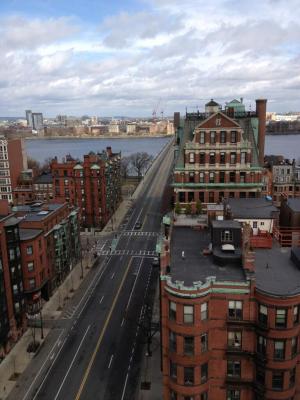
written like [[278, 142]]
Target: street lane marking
[[101, 299], [133, 287], [87, 372], [123, 320], [112, 277], [110, 361], [125, 384], [58, 343], [72, 362]]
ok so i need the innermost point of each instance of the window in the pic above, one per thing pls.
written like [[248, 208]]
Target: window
[[279, 349], [11, 254], [296, 314], [204, 342], [222, 176], [223, 137], [191, 196], [233, 136], [232, 177], [277, 380], [233, 368], [263, 315], [191, 177], [261, 345], [202, 158], [226, 236], [294, 346], [173, 395], [212, 158], [172, 341], [188, 314], [234, 339], [202, 137], [260, 375], [242, 177], [235, 309], [203, 311], [292, 377], [173, 370], [15, 289], [188, 375], [29, 250], [232, 158], [192, 158], [201, 177], [189, 345], [31, 283], [204, 396], [254, 224], [212, 137], [280, 321], [233, 394], [30, 266], [211, 177], [204, 372], [211, 197], [172, 310], [222, 158]]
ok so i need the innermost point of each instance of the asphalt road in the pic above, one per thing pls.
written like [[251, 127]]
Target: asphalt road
[[100, 354]]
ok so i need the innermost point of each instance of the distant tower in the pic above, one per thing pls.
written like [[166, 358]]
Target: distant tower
[[29, 118], [37, 121]]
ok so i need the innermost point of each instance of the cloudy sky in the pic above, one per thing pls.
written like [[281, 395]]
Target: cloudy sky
[[127, 57]]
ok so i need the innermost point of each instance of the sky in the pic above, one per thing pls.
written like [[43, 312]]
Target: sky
[[130, 57]]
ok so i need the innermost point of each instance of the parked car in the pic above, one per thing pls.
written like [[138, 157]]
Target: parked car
[[155, 262], [137, 225]]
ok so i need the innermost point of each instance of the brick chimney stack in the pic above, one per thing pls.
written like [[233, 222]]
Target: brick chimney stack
[[261, 109], [176, 120]]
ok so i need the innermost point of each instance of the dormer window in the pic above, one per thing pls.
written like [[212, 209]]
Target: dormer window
[[226, 236]]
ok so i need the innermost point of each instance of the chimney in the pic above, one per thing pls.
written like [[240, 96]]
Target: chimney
[[109, 151], [248, 255], [176, 120], [261, 108]]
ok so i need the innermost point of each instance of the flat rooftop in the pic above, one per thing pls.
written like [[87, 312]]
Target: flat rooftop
[[27, 234], [259, 208], [275, 272], [196, 266]]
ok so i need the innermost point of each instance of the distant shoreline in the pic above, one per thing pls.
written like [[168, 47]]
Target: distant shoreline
[[97, 138], [282, 133]]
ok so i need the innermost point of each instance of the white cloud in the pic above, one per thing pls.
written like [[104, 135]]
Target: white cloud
[[183, 54]]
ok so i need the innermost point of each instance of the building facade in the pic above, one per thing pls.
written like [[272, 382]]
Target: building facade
[[229, 317], [220, 154], [94, 186], [13, 160], [286, 181]]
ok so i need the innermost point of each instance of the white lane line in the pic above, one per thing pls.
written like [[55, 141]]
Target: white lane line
[[101, 299], [110, 361], [48, 372], [72, 362], [124, 389], [58, 343], [112, 277], [123, 320], [83, 307], [134, 285]]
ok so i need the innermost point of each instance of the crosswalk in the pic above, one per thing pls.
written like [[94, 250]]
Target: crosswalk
[[141, 253], [138, 233], [69, 313]]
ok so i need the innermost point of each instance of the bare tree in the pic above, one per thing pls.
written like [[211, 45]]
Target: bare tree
[[140, 161], [46, 166], [34, 165], [125, 167]]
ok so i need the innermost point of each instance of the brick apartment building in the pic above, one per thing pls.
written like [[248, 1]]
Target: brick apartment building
[[13, 160], [40, 244], [229, 316], [285, 181], [220, 153], [93, 185]]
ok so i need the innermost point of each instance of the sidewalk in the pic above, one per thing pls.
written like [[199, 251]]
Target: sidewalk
[[150, 387]]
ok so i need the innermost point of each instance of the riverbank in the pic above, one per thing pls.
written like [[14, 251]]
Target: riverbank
[[282, 134], [97, 137]]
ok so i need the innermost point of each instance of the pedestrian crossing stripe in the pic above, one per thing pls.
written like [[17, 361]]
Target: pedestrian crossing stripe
[[134, 233], [128, 253]]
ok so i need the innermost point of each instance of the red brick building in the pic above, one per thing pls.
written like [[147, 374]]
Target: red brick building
[[13, 160], [229, 316], [220, 154], [93, 185]]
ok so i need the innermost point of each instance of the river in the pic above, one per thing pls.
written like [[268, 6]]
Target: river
[[40, 149]]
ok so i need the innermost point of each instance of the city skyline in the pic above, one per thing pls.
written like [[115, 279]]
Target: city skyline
[[108, 59]]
